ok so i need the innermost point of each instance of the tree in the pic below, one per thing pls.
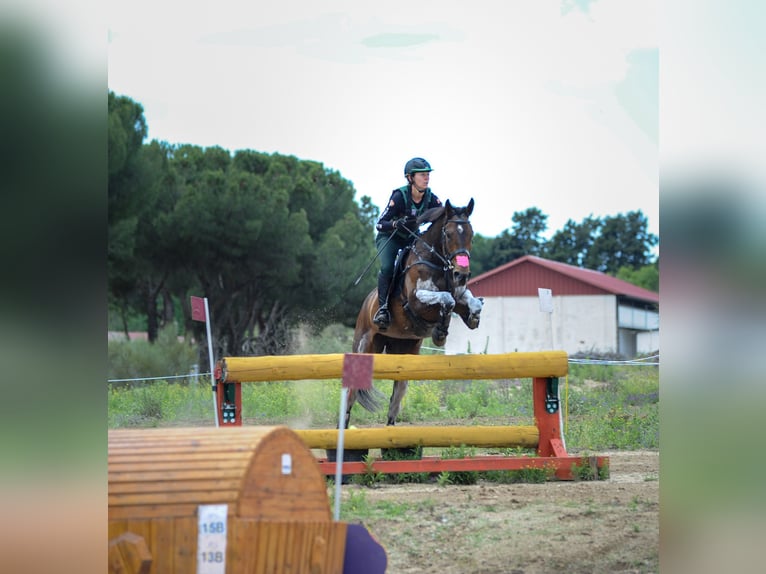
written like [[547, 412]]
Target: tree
[[572, 243], [129, 185], [267, 247], [622, 241], [647, 276], [525, 237], [481, 254]]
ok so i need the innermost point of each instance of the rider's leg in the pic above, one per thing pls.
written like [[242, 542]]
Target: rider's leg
[[383, 318], [388, 250]]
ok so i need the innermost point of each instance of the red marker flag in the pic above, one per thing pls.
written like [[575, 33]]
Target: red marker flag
[[198, 309], [357, 371]]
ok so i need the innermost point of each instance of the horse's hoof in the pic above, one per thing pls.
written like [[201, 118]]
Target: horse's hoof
[[473, 321]]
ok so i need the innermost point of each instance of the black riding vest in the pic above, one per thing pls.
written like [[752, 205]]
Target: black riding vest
[[411, 209]]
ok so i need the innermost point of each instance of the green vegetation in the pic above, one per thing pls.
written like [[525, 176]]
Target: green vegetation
[[604, 407], [273, 240]]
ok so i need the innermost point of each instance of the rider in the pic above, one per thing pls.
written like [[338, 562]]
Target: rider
[[397, 227]]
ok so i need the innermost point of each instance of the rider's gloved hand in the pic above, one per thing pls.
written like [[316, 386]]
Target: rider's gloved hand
[[410, 223]]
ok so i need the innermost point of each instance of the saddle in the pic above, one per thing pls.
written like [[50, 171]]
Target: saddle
[[397, 281]]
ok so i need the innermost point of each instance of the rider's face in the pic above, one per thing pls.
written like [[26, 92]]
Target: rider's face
[[420, 180]]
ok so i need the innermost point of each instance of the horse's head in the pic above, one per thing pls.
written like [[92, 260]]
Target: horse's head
[[457, 238]]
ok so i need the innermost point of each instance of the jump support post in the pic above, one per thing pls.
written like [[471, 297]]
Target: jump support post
[[544, 368]]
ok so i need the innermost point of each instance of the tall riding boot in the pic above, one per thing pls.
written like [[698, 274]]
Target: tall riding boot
[[383, 318]]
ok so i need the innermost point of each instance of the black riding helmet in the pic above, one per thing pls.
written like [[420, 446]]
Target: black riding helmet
[[415, 165]]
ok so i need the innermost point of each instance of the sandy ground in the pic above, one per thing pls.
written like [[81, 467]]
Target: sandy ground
[[575, 527]]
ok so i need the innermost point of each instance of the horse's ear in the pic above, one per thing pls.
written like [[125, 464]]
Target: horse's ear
[[469, 207]]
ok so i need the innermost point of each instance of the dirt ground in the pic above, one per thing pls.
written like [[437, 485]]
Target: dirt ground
[[609, 526]]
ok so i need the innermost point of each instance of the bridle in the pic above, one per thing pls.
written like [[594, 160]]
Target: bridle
[[446, 261]]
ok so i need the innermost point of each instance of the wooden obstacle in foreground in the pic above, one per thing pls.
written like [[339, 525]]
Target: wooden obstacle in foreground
[[544, 368], [240, 499]]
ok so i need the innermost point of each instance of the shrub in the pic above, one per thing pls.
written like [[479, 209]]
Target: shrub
[[140, 359]]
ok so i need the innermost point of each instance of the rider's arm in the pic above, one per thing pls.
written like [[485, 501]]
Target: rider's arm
[[393, 211]]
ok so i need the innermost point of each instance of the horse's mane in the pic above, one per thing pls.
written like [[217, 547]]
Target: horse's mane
[[431, 215], [436, 214]]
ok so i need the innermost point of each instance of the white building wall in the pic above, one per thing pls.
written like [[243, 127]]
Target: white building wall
[[516, 324], [646, 342]]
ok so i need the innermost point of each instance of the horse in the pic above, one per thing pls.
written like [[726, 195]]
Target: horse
[[429, 285]]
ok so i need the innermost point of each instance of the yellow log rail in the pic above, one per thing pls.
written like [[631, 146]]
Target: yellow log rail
[[427, 436], [398, 367]]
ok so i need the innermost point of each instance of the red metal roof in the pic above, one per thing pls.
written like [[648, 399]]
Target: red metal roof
[[523, 276]]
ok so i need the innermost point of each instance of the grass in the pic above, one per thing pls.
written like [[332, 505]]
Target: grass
[[604, 407], [619, 410]]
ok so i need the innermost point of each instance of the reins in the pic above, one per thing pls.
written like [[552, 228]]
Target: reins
[[446, 262]]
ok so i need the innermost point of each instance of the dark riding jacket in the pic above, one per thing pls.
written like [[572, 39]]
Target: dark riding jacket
[[399, 205]]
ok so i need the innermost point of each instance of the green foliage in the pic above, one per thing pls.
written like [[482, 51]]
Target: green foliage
[[526, 475], [405, 454], [271, 401], [524, 238], [370, 477], [422, 402], [283, 232], [334, 338], [607, 406], [155, 403], [587, 472], [137, 359], [444, 478], [647, 276], [622, 241], [604, 244], [488, 399], [461, 477], [272, 240], [620, 412]]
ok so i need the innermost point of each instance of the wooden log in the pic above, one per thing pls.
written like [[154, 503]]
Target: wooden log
[[427, 436], [169, 472], [129, 554], [277, 518], [398, 367]]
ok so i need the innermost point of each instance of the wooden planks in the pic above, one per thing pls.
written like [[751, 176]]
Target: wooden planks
[[278, 512]]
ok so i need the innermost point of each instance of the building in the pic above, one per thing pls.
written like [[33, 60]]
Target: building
[[591, 312]]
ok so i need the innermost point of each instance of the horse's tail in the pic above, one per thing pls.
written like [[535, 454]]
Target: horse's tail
[[371, 399]]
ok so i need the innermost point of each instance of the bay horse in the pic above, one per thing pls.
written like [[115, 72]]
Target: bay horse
[[429, 285]]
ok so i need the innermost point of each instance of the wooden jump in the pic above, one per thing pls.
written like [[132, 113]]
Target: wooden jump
[[277, 511], [398, 367], [544, 368]]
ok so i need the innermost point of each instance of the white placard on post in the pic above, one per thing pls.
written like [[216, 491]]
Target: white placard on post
[[546, 300], [211, 538]]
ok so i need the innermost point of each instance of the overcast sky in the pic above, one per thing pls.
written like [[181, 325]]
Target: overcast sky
[[547, 104]]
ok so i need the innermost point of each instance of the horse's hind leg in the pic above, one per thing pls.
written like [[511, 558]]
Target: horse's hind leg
[[351, 399], [400, 347], [395, 405]]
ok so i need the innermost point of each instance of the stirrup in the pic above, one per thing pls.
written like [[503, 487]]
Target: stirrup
[[382, 318]]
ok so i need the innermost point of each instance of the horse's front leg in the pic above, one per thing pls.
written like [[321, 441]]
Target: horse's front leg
[[446, 303], [469, 308], [395, 405]]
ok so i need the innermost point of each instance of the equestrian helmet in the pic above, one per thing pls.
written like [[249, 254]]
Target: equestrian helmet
[[415, 165]]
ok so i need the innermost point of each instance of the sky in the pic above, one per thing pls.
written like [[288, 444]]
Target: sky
[[517, 104]]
